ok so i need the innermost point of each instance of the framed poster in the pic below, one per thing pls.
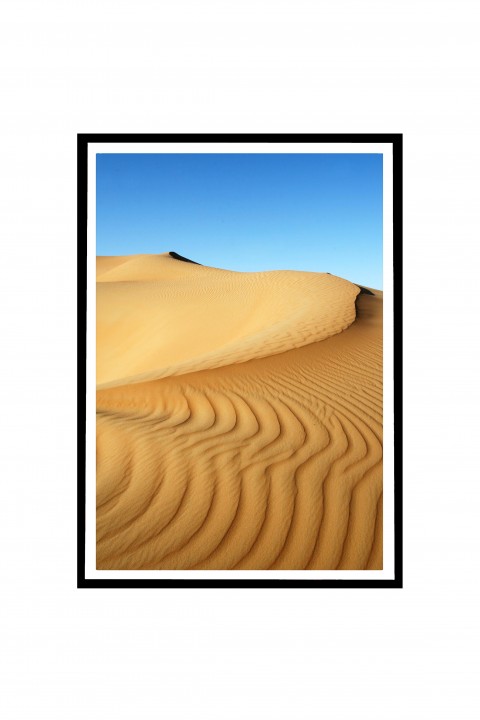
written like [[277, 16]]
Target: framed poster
[[239, 360]]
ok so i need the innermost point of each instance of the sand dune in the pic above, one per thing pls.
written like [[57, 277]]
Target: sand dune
[[256, 441], [158, 316]]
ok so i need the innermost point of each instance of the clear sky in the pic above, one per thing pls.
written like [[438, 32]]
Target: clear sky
[[314, 212]]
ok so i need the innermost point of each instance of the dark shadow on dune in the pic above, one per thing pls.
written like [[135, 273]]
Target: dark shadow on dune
[[176, 256], [365, 291]]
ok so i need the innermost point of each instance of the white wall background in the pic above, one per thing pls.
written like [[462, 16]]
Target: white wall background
[[250, 66]]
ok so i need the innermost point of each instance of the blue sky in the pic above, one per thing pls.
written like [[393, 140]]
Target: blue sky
[[248, 212]]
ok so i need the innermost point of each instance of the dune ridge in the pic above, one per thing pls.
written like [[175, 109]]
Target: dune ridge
[[271, 463], [158, 317]]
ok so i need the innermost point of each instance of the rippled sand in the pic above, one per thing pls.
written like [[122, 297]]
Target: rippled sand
[[239, 418]]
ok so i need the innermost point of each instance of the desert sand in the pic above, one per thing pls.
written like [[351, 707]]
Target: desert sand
[[239, 418]]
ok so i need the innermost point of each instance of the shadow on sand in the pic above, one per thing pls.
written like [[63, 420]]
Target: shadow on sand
[[176, 256], [365, 291]]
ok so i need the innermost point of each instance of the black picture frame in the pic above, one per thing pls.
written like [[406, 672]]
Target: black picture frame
[[83, 141]]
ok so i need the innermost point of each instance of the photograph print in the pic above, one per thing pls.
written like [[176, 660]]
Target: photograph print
[[239, 397]]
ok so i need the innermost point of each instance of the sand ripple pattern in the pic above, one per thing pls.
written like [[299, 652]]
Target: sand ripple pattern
[[275, 463]]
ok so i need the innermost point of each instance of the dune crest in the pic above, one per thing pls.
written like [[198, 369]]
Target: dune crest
[[158, 316]]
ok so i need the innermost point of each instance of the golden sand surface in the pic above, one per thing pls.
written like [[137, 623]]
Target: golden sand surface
[[239, 418]]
